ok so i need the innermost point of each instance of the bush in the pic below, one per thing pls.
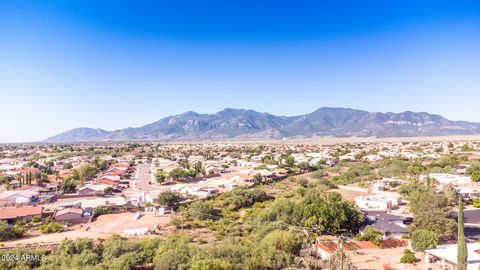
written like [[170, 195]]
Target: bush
[[476, 203], [243, 197], [36, 219], [209, 264], [176, 222], [371, 234], [51, 227], [408, 257], [202, 210], [102, 211], [423, 240], [9, 232]]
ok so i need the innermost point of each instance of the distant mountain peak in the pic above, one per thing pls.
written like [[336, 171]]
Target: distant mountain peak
[[232, 123]]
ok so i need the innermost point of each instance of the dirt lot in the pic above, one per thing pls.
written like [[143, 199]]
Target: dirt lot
[[117, 223], [373, 259], [349, 194], [103, 227]]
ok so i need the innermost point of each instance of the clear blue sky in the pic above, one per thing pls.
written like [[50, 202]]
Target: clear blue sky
[[115, 64]]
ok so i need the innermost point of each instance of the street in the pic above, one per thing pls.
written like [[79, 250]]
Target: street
[[143, 177]]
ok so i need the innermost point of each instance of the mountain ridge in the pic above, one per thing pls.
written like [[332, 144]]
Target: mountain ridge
[[249, 124]]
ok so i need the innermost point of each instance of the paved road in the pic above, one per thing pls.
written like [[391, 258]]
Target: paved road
[[143, 177]]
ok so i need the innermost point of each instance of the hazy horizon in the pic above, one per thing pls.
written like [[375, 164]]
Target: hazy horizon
[[112, 65]]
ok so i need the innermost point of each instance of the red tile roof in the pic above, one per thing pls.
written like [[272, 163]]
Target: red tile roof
[[330, 246], [16, 212], [125, 165], [108, 181]]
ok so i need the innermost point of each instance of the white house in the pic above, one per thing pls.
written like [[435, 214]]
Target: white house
[[377, 202], [446, 256], [19, 196]]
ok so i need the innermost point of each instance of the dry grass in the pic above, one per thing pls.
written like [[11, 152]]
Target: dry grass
[[349, 194]]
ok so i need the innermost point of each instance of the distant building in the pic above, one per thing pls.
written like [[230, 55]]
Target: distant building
[[445, 179]]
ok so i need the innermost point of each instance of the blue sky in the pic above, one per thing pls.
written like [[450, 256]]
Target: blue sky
[[115, 64]]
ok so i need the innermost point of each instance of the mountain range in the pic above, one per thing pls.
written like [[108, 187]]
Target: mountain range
[[237, 124]]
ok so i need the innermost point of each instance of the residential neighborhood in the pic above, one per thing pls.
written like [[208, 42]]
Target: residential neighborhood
[[144, 189]]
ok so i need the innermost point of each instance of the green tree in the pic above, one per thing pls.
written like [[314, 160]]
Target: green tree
[[328, 212], [87, 172], [258, 178], [70, 247], [160, 176], [432, 211], [289, 161], [9, 232], [177, 174], [169, 198], [85, 259], [201, 210], [276, 250], [127, 261], [462, 252], [100, 164], [243, 197], [68, 186], [424, 239], [371, 234], [198, 167], [475, 176]]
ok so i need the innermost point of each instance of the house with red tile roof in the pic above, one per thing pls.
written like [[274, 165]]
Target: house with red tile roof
[[26, 213]]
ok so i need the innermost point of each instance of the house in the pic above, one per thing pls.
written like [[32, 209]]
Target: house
[[263, 173], [324, 248], [392, 226], [468, 192], [446, 256], [109, 177], [378, 202], [20, 196], [26, 213], [386, 184], [211, 169], [92, 189], [206, 192], [105, 181], [6, 201], [69, 215], [372, 158], [445, 179], [101, 202], [87, 191]]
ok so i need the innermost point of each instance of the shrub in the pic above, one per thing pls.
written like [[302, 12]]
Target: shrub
[[424, 239], [51, 227], [102, 211], [371, 234], [9, 232], [476, 203], [202, 210], [36, 219], [176, 222], [408, 257]]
